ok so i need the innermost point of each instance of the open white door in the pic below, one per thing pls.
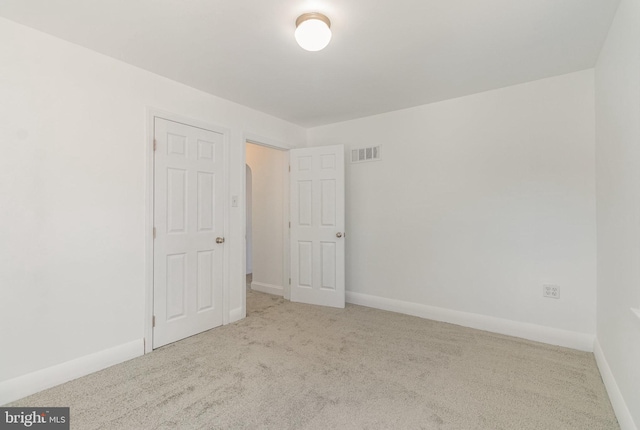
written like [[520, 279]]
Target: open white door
[[189, 231], [317, 226]]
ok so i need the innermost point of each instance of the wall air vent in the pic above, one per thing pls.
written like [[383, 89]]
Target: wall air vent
[[361, 155]]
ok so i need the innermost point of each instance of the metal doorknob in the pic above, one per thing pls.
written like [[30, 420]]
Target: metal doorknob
[[219, 239], [338, 235]]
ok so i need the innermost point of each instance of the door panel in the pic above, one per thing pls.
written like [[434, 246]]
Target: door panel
[[317, 226], [206, 276], [328, 265], [188, 216]]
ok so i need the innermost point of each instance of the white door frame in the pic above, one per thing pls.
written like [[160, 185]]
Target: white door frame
[[153, 113], [274, 144]]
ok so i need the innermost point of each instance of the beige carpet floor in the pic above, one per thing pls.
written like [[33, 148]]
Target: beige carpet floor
[[294, 366]]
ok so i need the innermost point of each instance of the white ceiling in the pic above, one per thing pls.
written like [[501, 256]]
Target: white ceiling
[[385, 55]]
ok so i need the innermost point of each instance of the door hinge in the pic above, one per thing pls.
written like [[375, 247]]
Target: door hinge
[[289, 167], [289, 224], [155, 144], [289, 281], [154, 232], [153, 321]]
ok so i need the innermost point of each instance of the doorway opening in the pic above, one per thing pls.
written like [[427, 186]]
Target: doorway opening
[[267, 219], [249, 231], [295, 243]]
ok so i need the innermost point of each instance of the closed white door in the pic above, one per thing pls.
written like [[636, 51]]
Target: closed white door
[[317, 226], [188, 221]]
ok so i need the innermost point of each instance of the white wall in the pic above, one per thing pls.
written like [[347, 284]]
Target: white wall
[[268, 169], [72, 195], [476, 203], [618, 201]]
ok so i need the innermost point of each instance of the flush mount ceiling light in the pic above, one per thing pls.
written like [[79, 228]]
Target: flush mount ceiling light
[[313, 31]]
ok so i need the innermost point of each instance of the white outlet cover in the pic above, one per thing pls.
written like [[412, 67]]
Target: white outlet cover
[[551, 291]]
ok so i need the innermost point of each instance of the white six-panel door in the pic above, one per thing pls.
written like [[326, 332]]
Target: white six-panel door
[[188, 218], [317, 226]]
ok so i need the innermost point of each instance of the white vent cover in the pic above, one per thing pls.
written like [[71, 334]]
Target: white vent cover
[[365, 154]]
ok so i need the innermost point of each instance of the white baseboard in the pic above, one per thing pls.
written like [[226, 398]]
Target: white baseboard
[[267, 288], [235, 315], [31, 383], [538, 333], [617, 401]]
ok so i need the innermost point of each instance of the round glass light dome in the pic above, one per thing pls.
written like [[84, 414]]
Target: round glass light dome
[[313, 31]]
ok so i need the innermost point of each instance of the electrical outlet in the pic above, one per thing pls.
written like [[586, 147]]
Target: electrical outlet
[[551, 291]]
